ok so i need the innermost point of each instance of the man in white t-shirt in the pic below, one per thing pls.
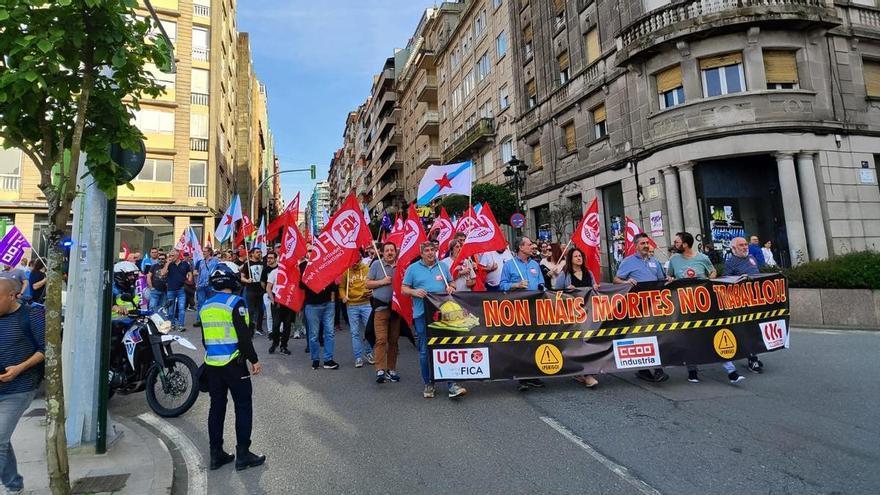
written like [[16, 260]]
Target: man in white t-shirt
[[493, 262]]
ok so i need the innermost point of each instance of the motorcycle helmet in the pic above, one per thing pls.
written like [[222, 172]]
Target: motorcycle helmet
[[125, 274], [224, 277]]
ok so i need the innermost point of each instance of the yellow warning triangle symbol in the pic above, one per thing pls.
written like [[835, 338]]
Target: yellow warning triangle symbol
[[725, 343], [548, 357]]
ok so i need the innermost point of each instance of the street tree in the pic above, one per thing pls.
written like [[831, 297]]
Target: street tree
[[71, 74], [500, 198]]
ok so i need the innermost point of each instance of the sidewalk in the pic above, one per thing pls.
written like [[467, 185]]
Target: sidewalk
[[137, 462]]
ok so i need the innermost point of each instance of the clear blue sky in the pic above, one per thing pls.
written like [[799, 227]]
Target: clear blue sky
[[317, 60]]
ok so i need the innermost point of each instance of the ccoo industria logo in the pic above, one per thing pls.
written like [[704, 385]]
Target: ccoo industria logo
[[775, 334], [590, 230]]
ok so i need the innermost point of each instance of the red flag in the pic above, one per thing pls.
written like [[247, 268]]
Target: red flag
[[286, 289], [633, 229], [445, 231], [465, 222], [396, 235], [246, 230], [210, 242], [586, 238], [485, 235], [412, 236], [125, 250], [338, 246], [289, 215]]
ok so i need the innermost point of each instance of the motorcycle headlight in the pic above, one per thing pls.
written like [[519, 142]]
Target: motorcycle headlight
[[162, 325]]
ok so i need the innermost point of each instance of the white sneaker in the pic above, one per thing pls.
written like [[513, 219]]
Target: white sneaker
[[358, 363], [429, 392], [370, 358], [456, 391]]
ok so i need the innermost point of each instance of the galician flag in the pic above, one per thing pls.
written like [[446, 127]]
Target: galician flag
[[260, 241], [227, 223], [442, 180]]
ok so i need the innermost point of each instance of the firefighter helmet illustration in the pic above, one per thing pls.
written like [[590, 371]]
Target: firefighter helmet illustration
[[453, 317]]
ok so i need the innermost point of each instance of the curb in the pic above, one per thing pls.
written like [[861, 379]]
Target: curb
[[163, 466]]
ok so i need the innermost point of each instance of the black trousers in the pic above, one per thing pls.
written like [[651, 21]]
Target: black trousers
[[256, 310], [235, 379], [281, 315]]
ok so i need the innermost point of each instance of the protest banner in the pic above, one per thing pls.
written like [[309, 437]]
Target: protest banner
[[533, 334]]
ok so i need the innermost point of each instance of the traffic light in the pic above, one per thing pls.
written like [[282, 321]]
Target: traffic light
[[314, 170]]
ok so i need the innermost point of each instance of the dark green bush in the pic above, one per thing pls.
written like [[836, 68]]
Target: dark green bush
[[859, 270]]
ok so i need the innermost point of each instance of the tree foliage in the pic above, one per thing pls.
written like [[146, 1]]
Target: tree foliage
[[500, 198]]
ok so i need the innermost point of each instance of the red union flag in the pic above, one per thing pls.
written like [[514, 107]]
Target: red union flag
[[483, 236], [632, 230], [411, 238], [445, 230], [289, 215], [294, 246], [586, 238], [338, 246], [465, 222], [286, 289]]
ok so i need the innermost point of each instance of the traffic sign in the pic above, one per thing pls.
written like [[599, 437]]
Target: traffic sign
[[517, 220]]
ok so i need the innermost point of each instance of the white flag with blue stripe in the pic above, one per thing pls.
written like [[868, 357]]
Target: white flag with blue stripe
[[442, 180], [227, 224]]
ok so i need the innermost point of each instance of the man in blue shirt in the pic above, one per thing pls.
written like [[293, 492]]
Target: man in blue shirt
[[148, 261], [642, 267], [741, 262], [522, 272], [203, 269], [178, 272], [755, 251], [422, 277]]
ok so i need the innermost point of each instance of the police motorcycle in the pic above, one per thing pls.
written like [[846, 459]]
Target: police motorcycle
[[141, 354]]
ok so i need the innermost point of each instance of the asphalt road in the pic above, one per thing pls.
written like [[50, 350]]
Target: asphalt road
[[809, 424]]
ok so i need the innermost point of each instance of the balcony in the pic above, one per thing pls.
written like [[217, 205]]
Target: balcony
[[862, 20], [199, 99], [391, 164], [683, 18], [198, 144], [429, 155], [426, 87], [198, 191], [201, 54], [482, 132], [9, 182], [201, 10], [387, 189], [388, 120], [429, 123]]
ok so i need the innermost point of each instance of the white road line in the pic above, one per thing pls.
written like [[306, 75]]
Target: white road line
[[614, 467], [197, 476]]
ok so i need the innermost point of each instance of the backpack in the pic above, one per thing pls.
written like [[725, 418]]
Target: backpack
[[24, 322]]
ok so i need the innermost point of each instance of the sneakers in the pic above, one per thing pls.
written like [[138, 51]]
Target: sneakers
[[692, 376], [316, 365], [272, 349], [735, 378], [380, 376], [393, 376], [198, 324], [297, 335], [259, 332], [285, 351], [331, 365], [428, 392], [370, 358], [660, 375], [358, 363], [531, 383], [755, 365], [456, 391]]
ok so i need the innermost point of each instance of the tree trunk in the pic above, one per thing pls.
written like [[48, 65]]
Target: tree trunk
[[56, 437]]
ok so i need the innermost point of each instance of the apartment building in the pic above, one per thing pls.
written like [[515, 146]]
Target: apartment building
[[476, 94], [319, 204], [191, 137], [382, 139]]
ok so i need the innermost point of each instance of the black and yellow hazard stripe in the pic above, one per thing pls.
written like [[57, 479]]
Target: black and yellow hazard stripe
[[605, 332]]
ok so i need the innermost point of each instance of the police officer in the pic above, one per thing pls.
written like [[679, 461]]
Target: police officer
[[228, 345], [125, 274]]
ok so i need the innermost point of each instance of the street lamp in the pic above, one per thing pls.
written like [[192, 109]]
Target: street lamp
[[515, 170]]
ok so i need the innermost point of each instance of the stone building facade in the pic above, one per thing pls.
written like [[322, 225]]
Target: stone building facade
[[718, 117]]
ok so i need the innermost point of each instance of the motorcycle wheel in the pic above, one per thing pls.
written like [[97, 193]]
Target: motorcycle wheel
[[183, 387]]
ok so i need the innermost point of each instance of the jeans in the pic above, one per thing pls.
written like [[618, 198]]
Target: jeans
[[421, 330], [267, 309], [320, 317], [179, 306], [235, 379], [157, 299], [357, 323], [12, 406], [728, 366], [202, 296]]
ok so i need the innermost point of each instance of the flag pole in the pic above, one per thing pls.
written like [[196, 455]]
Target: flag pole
[[515, 265]]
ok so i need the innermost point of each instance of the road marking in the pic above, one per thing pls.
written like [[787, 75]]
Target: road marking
[[614, 467], [197, 476]]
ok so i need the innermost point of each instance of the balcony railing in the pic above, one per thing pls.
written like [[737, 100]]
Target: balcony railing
[[9, 182], [426, 87], [429, 155], [198, 191], [475, 136], [199, 99], [862, 16], [429, 123], [201, 54], [198, 144], [201, 10]]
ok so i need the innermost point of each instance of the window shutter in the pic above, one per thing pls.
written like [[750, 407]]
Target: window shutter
[[537, 159], [531, 89], [721, 61], [599, 114], [669, 79], [570, 139], [592, 44], [871, 70], [780, 67], [527, 34], [563, 61], [559, 6]]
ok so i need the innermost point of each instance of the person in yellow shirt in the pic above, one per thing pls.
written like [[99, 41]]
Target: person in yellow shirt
[[354, 294]]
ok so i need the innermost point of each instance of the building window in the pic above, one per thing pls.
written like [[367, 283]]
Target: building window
[[722, 75], [654, 4], [488, 162], [503, 97], [155, 121], [780, 68], [599, 126], [480, 25], [570, 137], [871, 72], [591, 44], [501, 45], [198, 172], [506, 151], [483, 67], [156, 170], [159, 77], [559, 13], [563, 61], [496, 3], [537, 159], [531, 94], [670, 87], [200, 81], [486, 110], [200, 44], [527, 42], [10, 162], [198, 126]]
